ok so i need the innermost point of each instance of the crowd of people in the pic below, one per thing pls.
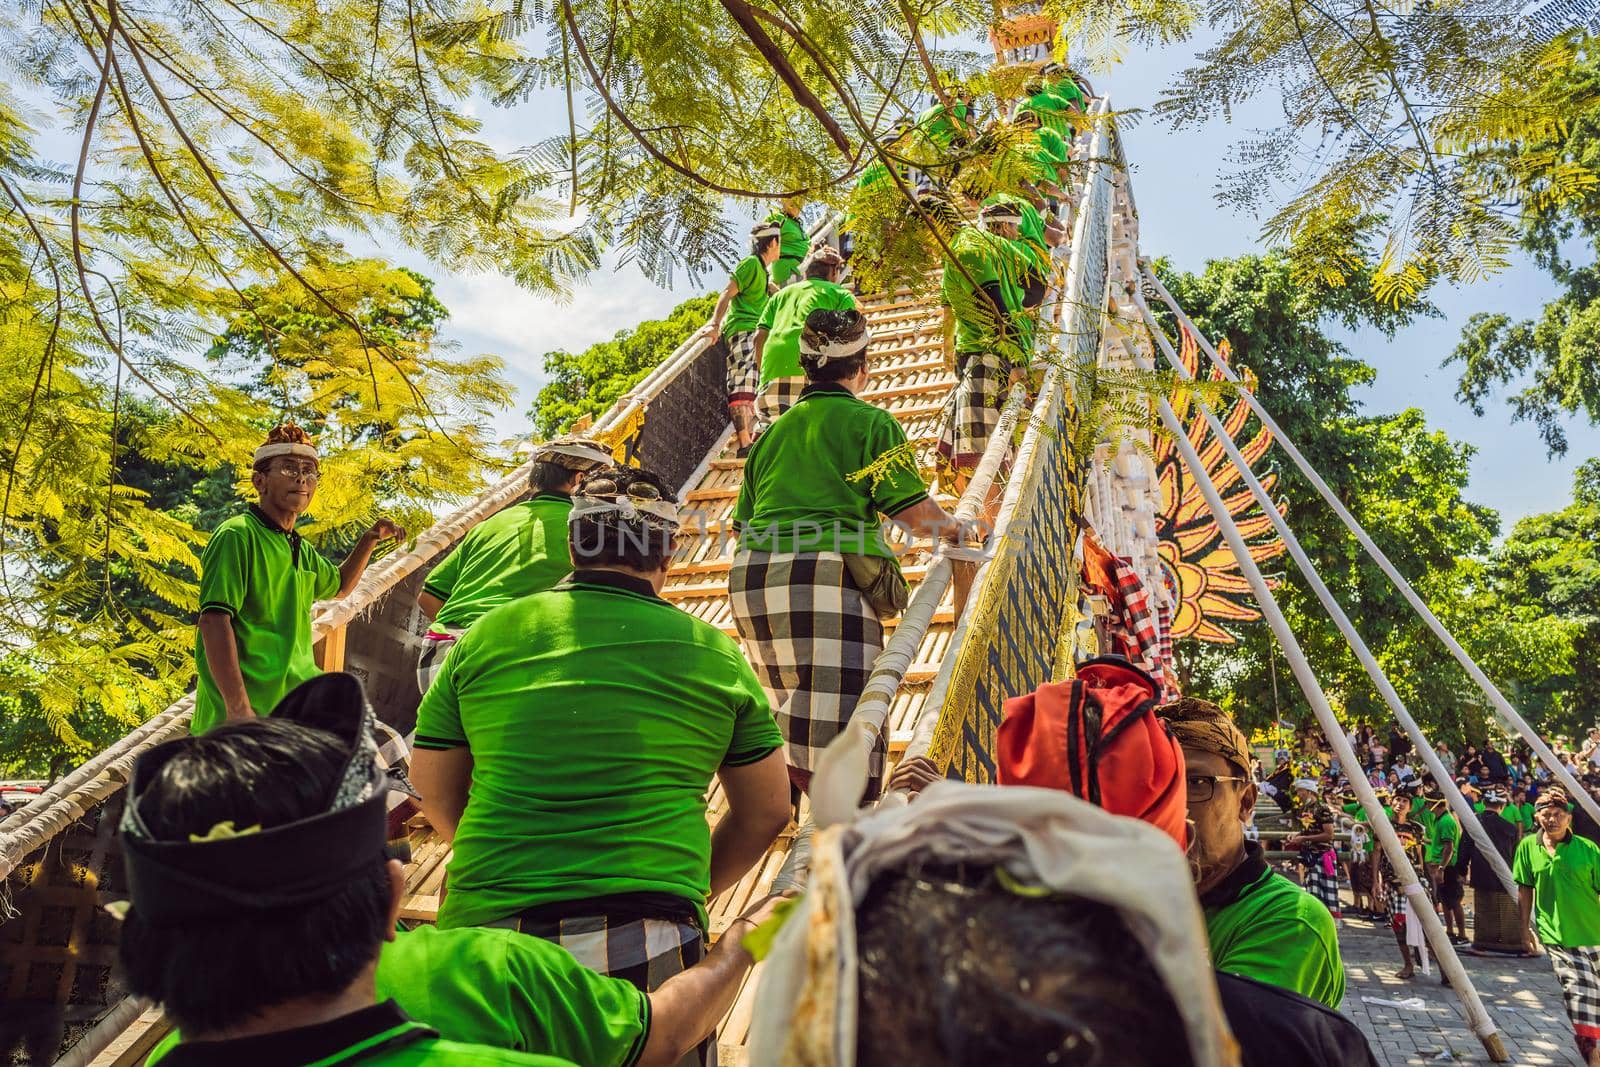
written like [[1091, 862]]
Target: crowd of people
[[1103, 902]]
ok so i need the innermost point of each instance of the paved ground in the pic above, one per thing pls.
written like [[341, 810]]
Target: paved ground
[[1521, 995]]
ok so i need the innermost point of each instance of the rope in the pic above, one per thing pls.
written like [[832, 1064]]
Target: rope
[[1458, 803], [1508, 714], [1477, 1016]]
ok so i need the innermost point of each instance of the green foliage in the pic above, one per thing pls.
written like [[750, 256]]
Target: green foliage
[[1555, 354], [1401, 479], [590, 381], [1376, 173], [1548, 571]]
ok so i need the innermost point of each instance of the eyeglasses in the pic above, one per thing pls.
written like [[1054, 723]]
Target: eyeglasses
[[305, 473], [1202, 787]]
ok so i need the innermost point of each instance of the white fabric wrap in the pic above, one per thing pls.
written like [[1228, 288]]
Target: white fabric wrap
[[285, 448], [625, 506], [806, 1004], [557, 450], [1308, 784], [835, 349]]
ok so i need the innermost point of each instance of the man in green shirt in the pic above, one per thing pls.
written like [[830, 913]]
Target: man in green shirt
[[567, 745], [1260, 924], [1558, 885], [262, 892], [982, 287], [514, 553], [793, 244], [258, 581], [778, 338], [734, 322], [488, 987], [1441, 856]]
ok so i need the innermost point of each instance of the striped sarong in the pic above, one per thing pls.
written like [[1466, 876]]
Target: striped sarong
[[973, 409]]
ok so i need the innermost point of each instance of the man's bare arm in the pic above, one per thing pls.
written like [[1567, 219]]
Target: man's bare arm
[[758, 810], [443, 777], [222, 657]]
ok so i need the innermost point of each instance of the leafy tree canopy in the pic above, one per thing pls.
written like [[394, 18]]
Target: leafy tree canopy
[[1553, 356], [589, 382]]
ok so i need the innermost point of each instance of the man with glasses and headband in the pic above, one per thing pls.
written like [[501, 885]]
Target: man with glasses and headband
[[258, 580], [1261, 925], [567, 745]]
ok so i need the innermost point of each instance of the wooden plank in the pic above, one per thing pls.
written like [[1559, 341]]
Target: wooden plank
[[329, 652]]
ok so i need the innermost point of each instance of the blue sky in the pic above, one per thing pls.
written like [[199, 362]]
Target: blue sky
[[1174, 181]]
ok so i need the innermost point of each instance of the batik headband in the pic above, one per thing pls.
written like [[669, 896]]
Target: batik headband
[[236, 869], [765, 229], [1002, 214], [583, 450], [820, 352], [807, 1003], [285, 448], [629, 507]]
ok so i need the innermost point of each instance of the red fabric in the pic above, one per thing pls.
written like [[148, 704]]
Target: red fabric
[[1046, 740], [1134, 628]]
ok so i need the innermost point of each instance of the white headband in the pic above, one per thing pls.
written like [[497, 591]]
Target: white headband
[[807, 1003], [285, 448], [626, 506], [835, 349], [594, 455], [1014, 217], [771, 229]]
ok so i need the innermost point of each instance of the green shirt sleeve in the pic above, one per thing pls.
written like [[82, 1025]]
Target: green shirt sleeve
[[1522, 862], [755, 731], [327, 571], [439, 717], [899, 485], [768, 313], [565, 1009], [223, 572], [750, 274], [441, 581]]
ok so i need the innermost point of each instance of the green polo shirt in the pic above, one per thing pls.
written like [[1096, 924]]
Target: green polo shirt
[[265, 580], [744, 310], [596, 714], [508, 991], [1529, 824], [1566, 889], [1067, 91], [985, 257], [806, 486], [785, 316], [516, 552], [792, 246], [941, 124], [1263, 926], [1053, 149], [1446, 828]]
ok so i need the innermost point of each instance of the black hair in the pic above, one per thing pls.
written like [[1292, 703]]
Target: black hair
[[759, 245], [549, 477], [822, 268], [957, 971], [825, 325], [211, 974], [609, 540]]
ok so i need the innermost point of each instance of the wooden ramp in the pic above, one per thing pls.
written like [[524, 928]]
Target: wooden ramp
[[910, 378]]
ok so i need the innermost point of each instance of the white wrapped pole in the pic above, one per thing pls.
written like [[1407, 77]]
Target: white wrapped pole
[[1508, 714], [1458, 803], [1477, 1016]]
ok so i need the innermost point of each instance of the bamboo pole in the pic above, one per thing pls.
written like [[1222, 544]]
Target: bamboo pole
[[1508, 714], [1477, 1016], [1458, 803]]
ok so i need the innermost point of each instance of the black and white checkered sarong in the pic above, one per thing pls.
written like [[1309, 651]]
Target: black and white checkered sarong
[[972, 410], [1321, 883], [812, 638], [779, 396], [1578, 971], [431, 659], [743, 373], [644, 952]]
